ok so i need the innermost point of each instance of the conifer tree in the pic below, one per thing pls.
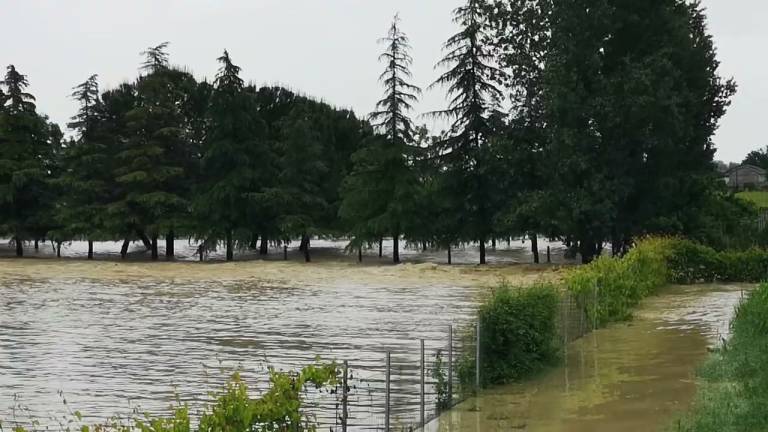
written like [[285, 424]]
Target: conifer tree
[[25, 148], [231, 155], [86, 170], [378, 195], [473, 99]]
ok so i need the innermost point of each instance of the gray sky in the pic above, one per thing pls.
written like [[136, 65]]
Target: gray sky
[[324, 48]]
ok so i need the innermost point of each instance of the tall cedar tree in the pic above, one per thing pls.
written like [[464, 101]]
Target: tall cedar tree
[[25, 156], [85, 176], [231, 156], [378, 195], [156, 157], [466, 154], [634, 97]]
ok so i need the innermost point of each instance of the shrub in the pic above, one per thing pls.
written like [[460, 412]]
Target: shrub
[[518, 335], [609, 288], [691, 262]]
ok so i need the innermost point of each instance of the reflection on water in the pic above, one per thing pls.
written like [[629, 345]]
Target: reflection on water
[[105, 343], [629, 377], [517, 251]]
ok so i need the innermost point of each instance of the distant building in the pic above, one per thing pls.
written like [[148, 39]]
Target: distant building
[[746, 177]]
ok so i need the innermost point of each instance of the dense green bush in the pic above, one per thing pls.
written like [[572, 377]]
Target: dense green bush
[[733, 392], [278, 409], [608, 288], [691, 262], [518, 335]]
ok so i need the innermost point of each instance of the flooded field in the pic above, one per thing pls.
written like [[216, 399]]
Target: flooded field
[[631, 377]]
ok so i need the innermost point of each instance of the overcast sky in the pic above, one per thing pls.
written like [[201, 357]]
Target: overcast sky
[[324, 48]]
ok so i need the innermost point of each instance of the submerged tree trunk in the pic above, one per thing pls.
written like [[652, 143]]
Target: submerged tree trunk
[[170, 251], [144, 240], [153, 245], [424, 246], [549, 255], [230, 250], [396, 248], [37, 246], [124, 249], [254, 243], [58, 249], [360, 253], [264, 248], [534, 247], [482, 251], [305, 242], [19, 247], [381, 247], [90, 249], [588, 250], [201, 251], [493, 243], [285, 251], [449, 255]]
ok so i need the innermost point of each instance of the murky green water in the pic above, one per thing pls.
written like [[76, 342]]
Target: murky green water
[[630, 377]]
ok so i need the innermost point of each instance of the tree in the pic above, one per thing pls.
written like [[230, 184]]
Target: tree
[[25, 151], [157, 156], [757, 158], [378, 193], [633, 97], [232, 154], [84, 182], [474, 98]]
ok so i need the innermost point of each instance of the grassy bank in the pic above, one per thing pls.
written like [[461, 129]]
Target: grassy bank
[[733, 384]]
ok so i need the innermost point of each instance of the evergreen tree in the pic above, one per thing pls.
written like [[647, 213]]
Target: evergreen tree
[[378, 194], [474, 98], [25, 151], [86, 171], [232, 153]]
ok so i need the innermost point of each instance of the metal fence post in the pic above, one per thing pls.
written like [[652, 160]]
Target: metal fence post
[[450, 365], [477, 357], [386, 398], [344, 398], [423, 369]]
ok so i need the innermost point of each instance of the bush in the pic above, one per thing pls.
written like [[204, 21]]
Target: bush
[[733, 384], [518, 335], [691, 262], [609, 288]]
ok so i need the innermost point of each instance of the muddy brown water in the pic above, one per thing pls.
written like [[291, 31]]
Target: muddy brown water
[[632, 377]]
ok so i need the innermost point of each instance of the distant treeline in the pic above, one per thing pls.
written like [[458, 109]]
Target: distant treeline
[[584, 121]]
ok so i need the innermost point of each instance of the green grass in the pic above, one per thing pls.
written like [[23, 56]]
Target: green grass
[[759, 198], [733, 384]]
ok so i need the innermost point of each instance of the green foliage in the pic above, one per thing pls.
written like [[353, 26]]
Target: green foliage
[[733, 384], [518, 336], [279, 409], [441, 383], [608, 288], [758, 198], [690, 262]]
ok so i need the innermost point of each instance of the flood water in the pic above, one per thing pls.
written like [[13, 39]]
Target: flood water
[[632, 377], [117, 346]]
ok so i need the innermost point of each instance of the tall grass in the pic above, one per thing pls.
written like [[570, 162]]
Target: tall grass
[[733, 384]]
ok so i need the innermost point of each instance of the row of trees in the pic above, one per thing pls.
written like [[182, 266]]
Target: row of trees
[[586, 121]]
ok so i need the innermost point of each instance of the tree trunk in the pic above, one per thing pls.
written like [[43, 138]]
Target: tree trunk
[[549, 256], [534, 247], [254, 243], [449, 255], [381, 247], [482, 251], [58, 249], [124, 249], [396, 248], [37, 246], [360, 254], [264, 248], [493, 243], [19, 247], [305, 242], [423, 246], [90, 249], [285, 252], [153, 245], [201, 251], [230, 250], [588, 250], [145, 240], [170, 249]]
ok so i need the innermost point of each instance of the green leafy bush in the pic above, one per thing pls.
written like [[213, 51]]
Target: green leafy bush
[[518, 335], [733, 384], [608, 288], [691, 262], [278, 409]]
